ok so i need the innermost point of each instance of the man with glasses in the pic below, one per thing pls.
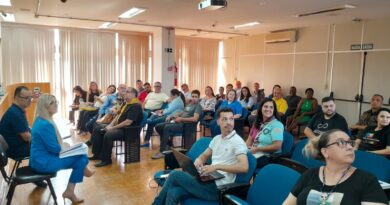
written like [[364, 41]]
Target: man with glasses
[[327, 120], [155, 100], [15, 129]]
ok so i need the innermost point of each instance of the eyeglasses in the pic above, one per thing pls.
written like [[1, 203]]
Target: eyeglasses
[[342, 143], [26, 98], [157, 86]]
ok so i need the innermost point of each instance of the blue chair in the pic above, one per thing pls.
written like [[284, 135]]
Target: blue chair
[[242, 180], [197, 149], [297, 155], [288, 142], [374, 164], [271, 186]]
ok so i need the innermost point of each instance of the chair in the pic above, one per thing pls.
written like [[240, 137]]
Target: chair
[[132, 144], [374, 164], [240, 122], [240, 186], [271, 186], [23, 175]]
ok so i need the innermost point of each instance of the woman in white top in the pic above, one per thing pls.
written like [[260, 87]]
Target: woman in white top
[[246, 99]]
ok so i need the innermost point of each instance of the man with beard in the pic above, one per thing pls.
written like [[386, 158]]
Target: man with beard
[[327, 120]]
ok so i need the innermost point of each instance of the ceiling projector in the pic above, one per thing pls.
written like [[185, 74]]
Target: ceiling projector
[[212, 4]]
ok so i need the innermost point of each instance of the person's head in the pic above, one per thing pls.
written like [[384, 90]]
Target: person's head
[[184, 88], [78, 91], [333, 146], [293, 91], [157, 87], [121, 90], [47, 106], [130, 93], [376, 101], [260, 95], [209, 91], [231, 95], [309, 92], [147, 87], [111, 89], [23, 96], [195, 95], [138, 84], [229, 87], [238, 84], [383, 117], [245, 94], [221, 90], [256, 86], [93, 87], [328, 106], [277, 92], [175, 93], [266, 111], [225, 119]]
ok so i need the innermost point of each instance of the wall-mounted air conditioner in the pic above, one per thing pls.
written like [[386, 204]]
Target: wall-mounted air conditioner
[[281, 36]]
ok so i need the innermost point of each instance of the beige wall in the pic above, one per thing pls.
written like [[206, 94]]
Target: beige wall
[[321, 58]]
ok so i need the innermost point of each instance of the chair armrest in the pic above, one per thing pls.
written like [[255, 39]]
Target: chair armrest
[[291, 164], [276, 156], [232, 200], [237, 189]]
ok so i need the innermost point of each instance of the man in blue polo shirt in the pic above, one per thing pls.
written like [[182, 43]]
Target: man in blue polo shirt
[[15, 129]]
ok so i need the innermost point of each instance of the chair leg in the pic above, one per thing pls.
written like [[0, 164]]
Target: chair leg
[[16, 165], [10, 193], [53, 193]]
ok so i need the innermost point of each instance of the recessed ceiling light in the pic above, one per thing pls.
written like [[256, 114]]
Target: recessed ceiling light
[[132, 12], [107, 25], [7, 17], [246, 25], [5, 2]]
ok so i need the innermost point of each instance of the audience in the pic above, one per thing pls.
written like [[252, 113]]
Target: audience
[[174, 124], [338, 182], [208, 103], [256, 89], [46, 145], [154, 100], [246, 99], [221, 94], [186, 92], [228, 156], [92, 93], [111, 101], [142, 95], [176, 105], [281, 103], [229, 87], [139, 86], [238, 88], [80, 96], [266, 135], [252, 116], [232, 103], [376, 139], [292, 101], [327, 120], [368, 118]]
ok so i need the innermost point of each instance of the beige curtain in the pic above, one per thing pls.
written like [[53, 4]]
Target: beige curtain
[[197, 62]]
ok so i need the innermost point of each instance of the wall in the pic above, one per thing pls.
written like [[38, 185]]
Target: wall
[[321, 58]]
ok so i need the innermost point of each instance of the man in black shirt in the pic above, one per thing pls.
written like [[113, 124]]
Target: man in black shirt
[[327, 120], [292, 101], [368, 118], [130, 115]]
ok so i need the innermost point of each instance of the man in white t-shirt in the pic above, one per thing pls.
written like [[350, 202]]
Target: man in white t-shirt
[[228, 154], [155, 100]]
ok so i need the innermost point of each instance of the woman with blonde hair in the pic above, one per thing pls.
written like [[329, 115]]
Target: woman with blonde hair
[[46, 145], [337, 182]]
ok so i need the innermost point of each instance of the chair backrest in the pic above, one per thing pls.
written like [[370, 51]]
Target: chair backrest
[[272, 185], [246, 177], [144, 119], [374, 164], [198, 147], [298, 156], [3, 162], [288, 142]]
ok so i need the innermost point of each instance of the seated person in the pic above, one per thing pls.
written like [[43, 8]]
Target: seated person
[[327, 120], [80, 95], [208, 103], [368, 118], [256, 89], [46, 145], [92, 94], [266, 135], [307, 107], [376, 139], [111, 101], [142, 95], [139, 87], [186, 92], [221, 94], [281, 103], [176, 104], [246, 99], [292, 101], [174, 124], [260, 97], [228, 156], [104, 135], [155, 100], [338, 182]]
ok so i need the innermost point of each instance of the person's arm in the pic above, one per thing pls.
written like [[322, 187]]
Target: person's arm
[[249, 141], [202, 159], [309, 133], [290, 200], [296, 113], [237, 109], [385, 152], [240, 167], [314, 108], [194, 118], [275, 146], [277, 139], [49, 137]]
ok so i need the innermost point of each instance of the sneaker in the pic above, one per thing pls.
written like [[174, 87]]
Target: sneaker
[[145, 145], [103, 163], [158, 155]]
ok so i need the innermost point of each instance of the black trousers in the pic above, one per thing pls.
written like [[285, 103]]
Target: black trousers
[[102, 141]]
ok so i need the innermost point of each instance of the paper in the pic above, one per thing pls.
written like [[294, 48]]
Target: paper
[[76, 149], [384, 185]]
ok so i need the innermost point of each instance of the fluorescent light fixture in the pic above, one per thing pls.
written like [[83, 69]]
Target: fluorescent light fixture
[[349, 6], [246, 25], [7, 17], [5, 2], [132, 12], [107, 25]]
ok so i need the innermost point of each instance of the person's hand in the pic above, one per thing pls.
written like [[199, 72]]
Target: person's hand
[[167, 119], [178, 119], [253, 150], [254, 112], [169, 100], [159, 112], [207, 169], [353, 127], [109, 127], [198, 163]]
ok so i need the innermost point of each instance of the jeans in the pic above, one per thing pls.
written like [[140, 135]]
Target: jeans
[[181, 185], [153, 121], [166, 130]]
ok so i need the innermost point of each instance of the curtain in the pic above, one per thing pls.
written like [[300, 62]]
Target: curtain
[[197, 62]]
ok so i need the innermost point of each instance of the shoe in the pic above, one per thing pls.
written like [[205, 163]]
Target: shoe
[[94, 158], [88, 143], [158, 155], [73, 198], [41, 184], [145, 145], [102, 164]]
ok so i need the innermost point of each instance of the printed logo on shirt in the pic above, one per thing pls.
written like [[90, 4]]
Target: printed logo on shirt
[[369, 139], [317, 198]]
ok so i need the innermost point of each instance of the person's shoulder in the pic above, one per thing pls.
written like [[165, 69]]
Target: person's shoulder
[[276, 123], [339, 116], [363, 175]]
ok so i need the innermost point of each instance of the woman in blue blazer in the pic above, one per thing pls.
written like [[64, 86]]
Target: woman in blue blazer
[[46, 145]]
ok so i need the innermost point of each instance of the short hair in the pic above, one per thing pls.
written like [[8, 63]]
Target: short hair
[[145, 84], [378, 95], [138, 81], [196, 92], [133, 90], [19, 89], [384, 109], [225, 109], [184, 84], [229, 85], [309, 89], [327, 99], [276, 86]]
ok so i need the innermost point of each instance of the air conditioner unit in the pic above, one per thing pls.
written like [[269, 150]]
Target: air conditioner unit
[[282, 36]]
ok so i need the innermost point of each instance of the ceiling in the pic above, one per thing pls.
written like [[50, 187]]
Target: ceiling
[[188, 20]]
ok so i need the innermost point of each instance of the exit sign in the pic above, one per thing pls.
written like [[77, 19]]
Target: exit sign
[[355, 47], [368, 46]]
